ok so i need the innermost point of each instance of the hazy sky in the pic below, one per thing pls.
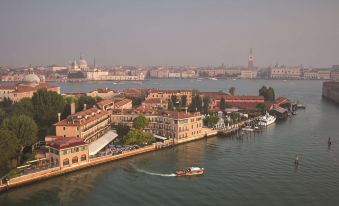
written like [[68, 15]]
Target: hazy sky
[[171, 32]]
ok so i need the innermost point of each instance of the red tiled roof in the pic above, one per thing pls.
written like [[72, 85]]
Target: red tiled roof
[[122, 102], [104, 102], [66, 142]]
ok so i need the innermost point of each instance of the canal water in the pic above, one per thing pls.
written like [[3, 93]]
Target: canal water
[[255, 170]]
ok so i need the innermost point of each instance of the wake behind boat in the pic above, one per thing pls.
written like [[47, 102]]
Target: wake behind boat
[[190, 171]]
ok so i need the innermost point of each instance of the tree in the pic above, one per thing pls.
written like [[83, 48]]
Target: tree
[[140, 122], [175, 101], [232, 91], [270, 94], [138, 137], [263, 91], [184, 101], [262, 108], [47, 105], [6, 104], [3, 115], [122, 129], [24, 106], [170, 106], [206, 101], [88, 100], [211, 121], [222, 104], [8, 148], [24, 129]]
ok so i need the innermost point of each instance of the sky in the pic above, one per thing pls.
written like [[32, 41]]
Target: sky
[[170, 32]]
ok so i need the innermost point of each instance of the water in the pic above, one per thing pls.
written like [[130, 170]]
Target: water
[[254, 170]]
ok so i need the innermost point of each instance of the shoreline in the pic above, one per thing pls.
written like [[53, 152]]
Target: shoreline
[[54, 172]]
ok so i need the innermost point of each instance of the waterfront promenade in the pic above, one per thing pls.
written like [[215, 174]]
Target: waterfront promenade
[[56, 171]]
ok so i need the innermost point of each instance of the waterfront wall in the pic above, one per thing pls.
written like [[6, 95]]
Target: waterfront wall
[[331, 91], [53, 172]]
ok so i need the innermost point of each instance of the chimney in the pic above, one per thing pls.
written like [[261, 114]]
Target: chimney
[[59, 117], [85, 107], [72, 108], [186, 110]]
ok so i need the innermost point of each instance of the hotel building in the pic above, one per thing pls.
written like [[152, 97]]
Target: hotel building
[[167, 94]]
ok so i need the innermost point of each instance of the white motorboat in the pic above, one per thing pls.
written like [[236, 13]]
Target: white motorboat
[[266, 120]]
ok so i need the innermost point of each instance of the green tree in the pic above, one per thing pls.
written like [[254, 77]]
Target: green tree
[[222, 104], [3, 115], [88, 100], [232, 91], [8, 148], [170, 106], [138, 137], [140, 122], [206, 101], [24, 129], [47, 105], [24, 106], [6, 104], [211, 120], [184, 101], [263, 92], [122, 129], [262, 108], [271, 94]]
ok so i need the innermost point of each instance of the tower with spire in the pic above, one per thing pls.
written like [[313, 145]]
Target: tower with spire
[[250, 59]]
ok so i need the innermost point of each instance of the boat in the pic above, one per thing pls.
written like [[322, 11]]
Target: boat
[[213, 78], [266, 120], [248, 129], [190, 171]]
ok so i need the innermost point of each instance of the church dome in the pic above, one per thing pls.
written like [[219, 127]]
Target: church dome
[[31, 77], [82, 62]]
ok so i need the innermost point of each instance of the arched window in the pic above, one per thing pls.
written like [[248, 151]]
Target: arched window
[[75, 160], [66, 162], [83, 157]]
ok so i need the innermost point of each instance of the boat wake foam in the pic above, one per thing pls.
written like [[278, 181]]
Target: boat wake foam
[[155, 174]]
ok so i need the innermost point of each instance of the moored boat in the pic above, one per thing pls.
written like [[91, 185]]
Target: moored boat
[[190, 171], [266, 120]]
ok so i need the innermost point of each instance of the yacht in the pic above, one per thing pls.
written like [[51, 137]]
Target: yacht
[[266, 120]]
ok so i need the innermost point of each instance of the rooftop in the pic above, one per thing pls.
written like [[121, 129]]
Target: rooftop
[[65, 142]]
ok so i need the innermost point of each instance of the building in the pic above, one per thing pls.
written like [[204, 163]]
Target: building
[[167, 94], [250, 60], [244, 102], [29, 85], [170, 124], [66, 151], [99, 75], [331, 91], [89, 124], [123, 104], [324, 74], [187, 74], [335, 75], [160, 73], [285, 73], [248, 74], [155, 104], [105, 93], [311, 75]]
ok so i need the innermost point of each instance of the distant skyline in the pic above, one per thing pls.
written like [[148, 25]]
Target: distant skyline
[[160, 32]]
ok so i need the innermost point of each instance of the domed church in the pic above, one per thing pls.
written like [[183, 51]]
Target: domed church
[[29, 85]]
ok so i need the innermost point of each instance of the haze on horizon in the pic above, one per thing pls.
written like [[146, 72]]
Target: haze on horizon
[[191, 32]]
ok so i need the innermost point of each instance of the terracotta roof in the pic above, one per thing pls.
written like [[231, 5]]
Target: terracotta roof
[[79, 118], [104, 102], [150, 112], [244, 98], [122, 102], [66, 142]]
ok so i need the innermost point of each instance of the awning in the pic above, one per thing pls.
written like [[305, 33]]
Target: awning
[[97, 145], [159, 137]]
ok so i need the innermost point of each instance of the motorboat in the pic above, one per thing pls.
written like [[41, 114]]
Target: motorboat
[[190, 171], [266, 120]]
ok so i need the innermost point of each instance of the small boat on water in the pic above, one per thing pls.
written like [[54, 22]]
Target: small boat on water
[[190, 171], [213, 78], [248, 129], [266, 120]]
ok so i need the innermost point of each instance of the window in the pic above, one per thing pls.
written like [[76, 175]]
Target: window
[[64, 128], [66, 162], [83, 157], [75, 160]]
